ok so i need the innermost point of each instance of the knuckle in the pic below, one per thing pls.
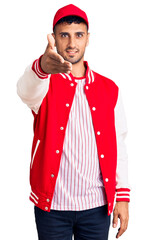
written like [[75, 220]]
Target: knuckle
[[124, 228], [115, 211]]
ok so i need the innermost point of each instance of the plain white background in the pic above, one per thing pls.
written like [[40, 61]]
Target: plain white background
[[118, 49]]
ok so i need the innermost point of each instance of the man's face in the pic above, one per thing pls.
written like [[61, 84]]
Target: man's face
[[71, 41]]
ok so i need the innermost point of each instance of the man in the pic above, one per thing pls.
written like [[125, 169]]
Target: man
[[79, 159]]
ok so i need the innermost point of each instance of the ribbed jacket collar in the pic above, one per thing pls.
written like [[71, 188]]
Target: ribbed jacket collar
[[89, 75]]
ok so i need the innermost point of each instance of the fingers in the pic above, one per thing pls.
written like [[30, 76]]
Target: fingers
[[123, 227], [56, 57], [115, 219], [51, 51], [121, 212], [52, 62], [64, 68], [61, 67], [58, 61], [51, 41], [67, 67]]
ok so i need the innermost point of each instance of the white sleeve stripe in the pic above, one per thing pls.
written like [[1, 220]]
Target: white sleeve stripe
[[34, 199], [34, 195], [36, 66], [122, 193], [37, 72], [122, 197]]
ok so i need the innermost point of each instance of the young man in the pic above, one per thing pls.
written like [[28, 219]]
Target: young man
[[79, 159]]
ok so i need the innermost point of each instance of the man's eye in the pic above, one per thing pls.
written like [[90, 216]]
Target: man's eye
[[80, 35], [63, 35]]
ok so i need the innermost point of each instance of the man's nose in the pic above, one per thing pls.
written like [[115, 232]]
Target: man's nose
[[72, 43]]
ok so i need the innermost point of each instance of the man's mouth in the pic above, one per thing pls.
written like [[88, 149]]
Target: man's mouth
[[71, 52]]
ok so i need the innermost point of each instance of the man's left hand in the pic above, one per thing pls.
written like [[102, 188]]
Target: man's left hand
[[121, 211]]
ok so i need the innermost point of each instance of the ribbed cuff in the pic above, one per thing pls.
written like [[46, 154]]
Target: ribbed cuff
[[123, 194], [37, 69]]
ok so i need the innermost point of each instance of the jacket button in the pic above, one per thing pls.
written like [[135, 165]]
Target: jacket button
[[106, 179], [48, 200], [52, 175], [46, 208], [87, 87], [98, 133], [61, 128], [67, 104], [94, 109], [102, 155], [57, 151], [72, 84]]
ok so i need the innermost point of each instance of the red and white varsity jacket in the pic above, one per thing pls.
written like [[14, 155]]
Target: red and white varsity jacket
[[51, 111]]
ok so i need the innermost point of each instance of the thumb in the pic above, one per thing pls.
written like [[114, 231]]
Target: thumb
[[115, 220], [51, 41]]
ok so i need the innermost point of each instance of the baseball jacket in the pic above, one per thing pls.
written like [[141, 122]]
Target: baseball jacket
[[50, 100]]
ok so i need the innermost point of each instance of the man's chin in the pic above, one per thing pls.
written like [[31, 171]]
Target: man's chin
[[72, 60]]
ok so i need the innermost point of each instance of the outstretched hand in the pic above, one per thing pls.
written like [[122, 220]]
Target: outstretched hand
[[52, 62]]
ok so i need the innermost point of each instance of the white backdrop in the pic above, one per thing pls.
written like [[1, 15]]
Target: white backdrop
[[118, 49]]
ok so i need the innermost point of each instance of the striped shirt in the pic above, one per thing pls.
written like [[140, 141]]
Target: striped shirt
[[79, 184]]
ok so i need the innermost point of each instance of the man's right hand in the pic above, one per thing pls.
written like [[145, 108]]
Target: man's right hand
[[52, 62]]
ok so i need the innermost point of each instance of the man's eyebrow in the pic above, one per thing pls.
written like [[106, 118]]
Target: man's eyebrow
[[81, 32], [63, 33], [75, 32]]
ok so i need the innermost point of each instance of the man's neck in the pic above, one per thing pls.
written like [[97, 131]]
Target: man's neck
[[78, 69]]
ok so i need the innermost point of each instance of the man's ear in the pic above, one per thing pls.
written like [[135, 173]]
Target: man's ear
[[88, 35]]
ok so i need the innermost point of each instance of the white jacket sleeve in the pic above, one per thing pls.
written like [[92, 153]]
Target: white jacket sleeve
[[32, 89], [122, 157]]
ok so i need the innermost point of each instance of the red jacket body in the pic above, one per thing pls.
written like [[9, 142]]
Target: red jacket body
[[48, 140]]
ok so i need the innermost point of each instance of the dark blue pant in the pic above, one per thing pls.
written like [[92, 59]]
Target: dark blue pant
[[91, 224]]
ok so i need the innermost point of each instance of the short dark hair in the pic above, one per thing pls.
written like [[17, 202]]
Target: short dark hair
[[70, 20]]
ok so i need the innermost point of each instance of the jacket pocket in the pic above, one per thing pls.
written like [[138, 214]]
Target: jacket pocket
[[34, 153]]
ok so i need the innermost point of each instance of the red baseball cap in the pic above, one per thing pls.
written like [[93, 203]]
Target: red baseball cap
[[69, 10]]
